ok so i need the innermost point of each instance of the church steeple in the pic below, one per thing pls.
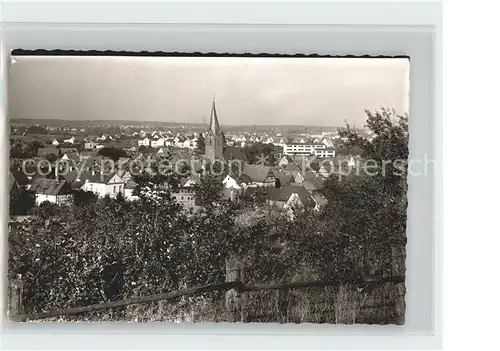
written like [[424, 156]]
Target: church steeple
[[214, 121], [214, 141]]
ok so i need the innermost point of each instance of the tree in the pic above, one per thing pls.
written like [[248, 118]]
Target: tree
[[81, 197], [36, 129], [209, 193], [200, 145], [22, 202], [112, 152]]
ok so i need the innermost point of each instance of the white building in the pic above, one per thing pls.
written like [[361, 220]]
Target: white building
[[186, 197], [301, 149], [324, 152], [70, 140], [104, 184], [231, 188], [158, 142], [143, 142], [55, 191], [89, 145]]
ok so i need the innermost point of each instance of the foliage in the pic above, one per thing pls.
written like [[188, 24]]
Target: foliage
[[209, 192], [36, 129], [81, 197], [200, 146], [25, 150], [22, 202], [105, 249], [112, 152], [257, 152]]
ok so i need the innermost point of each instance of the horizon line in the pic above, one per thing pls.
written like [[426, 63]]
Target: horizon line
[[175, 122]]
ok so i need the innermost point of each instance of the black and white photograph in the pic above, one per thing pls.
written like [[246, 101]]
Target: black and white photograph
[[206, 188]]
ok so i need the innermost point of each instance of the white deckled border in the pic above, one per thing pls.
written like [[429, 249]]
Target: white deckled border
[[328, 29]]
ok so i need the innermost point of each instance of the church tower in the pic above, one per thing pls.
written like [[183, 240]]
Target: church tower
[[213, 139]]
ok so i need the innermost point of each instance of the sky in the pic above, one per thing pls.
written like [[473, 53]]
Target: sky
[[247, 91]]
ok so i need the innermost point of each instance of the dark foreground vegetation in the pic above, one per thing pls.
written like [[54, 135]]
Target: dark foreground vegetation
[[110, 249]]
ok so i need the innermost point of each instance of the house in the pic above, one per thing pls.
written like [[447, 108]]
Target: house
[[191, 181], [301, 148], [351, 162], [90, 145], [328, 142], [185, 197], [232, 189], [283, 178], [128, 191], [63, 150], [289, 196], [125, 175], [55, 142], [326, 169], [180, 141], [291, 167], [162, 151], [70, 140], [298, 177], [156, 143], [258, 175], [71, 157], [143, 142], [123, 162], [313, 184], [46, 151], [21, 178], [284, 161], [103, 184], [55, 191], [324, 152], [84, 155]]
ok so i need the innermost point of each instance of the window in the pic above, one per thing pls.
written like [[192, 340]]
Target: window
[[114, 189]]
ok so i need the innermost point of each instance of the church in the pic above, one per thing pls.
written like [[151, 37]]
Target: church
[[214, 142]]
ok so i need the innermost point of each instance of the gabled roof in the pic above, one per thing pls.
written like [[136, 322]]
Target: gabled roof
[[319, 199], [122, 161], [44, 151], [96, 177], [68, 149], [194, 178], [312, 184], [292, 167], [284, 193], [285, 178], [287, 157], [12, 182], [51, 186], [21, 178], [72, 156], [84, 154], [257, 173]]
